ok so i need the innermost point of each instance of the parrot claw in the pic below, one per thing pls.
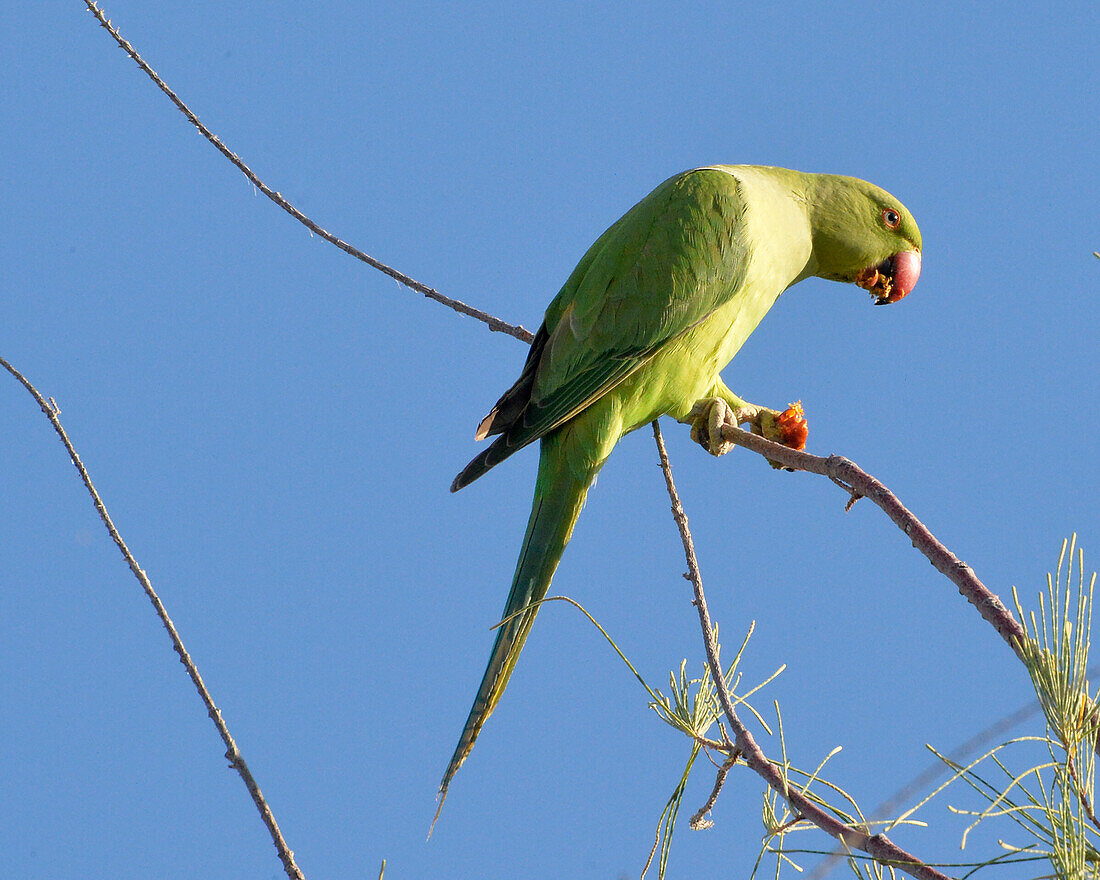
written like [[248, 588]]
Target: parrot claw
[[707, 418]]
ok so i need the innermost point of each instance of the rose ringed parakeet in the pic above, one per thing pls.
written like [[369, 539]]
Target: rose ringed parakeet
[[642, 328]]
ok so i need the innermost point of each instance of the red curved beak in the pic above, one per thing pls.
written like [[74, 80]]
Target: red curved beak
[[892, 279], [906, 271]]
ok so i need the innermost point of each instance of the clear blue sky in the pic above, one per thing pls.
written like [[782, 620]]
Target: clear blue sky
[[274, 426]]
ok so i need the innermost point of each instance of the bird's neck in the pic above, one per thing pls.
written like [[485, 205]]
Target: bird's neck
[[779, 223]]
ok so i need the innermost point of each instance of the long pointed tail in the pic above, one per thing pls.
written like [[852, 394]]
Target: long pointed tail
[[560, 491]]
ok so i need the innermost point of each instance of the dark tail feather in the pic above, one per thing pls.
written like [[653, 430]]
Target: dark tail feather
[[503, 416]]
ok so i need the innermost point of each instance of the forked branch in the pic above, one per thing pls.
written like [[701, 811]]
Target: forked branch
[[878, 846]]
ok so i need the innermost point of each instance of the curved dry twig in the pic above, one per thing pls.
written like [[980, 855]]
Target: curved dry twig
[[491, 322], [878, 846], [860, 484], [699, 820], [236, 760]]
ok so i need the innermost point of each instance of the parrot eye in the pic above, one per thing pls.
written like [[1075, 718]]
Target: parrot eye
[[891, 218]]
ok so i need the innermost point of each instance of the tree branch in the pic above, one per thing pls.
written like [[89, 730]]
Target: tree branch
[[699, 821], [878, 846], [236, 760], [494, 324], [859, 484]]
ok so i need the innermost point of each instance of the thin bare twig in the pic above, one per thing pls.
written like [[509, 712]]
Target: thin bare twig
[[699, 821], [860, 484], [236, 760], [494, 324], [878, 846]]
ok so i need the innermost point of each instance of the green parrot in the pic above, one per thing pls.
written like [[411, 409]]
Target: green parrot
[[644, 325]]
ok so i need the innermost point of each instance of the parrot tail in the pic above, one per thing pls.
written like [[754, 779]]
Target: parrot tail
[[566, 470]]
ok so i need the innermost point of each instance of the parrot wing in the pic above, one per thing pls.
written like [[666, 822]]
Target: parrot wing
[[671, 260]]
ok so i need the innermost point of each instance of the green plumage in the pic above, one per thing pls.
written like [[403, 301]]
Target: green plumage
[[653, 312]]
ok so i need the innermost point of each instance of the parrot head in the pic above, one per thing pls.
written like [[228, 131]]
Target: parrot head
[[863, 235]]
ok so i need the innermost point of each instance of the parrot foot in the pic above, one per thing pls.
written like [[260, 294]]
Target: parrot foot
[[708, 416]]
